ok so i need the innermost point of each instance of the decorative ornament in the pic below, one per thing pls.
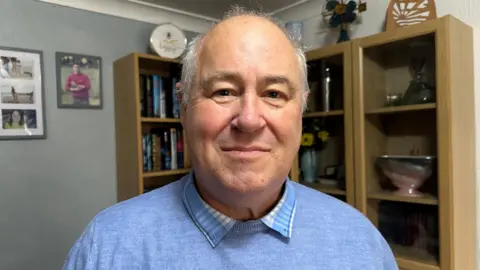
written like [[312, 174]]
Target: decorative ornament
[[402, 13], [340, 13], [168, 41]]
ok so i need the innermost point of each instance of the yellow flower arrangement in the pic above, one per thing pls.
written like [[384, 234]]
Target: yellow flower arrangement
[[314, 136], [323, 135], [307, 139]]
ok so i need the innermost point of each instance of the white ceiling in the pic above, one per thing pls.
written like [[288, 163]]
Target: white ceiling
[[216, 8]]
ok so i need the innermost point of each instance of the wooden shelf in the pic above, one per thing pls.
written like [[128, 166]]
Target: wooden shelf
[[406, 108], [421, 261], [165, 173], [382, 65], [138, 136], [156, 58], [323, 114], [325, 188], [159, 120], [387, 196]]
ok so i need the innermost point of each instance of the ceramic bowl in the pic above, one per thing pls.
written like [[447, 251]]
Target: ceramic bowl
[[407, 173]]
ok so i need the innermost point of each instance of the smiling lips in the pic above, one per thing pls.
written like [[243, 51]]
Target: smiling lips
[[245, 152]]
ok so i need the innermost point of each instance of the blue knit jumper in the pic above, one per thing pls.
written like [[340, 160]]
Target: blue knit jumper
[[156, 230]]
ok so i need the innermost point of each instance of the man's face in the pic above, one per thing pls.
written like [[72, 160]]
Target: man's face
[[75, 68], [243, 121]]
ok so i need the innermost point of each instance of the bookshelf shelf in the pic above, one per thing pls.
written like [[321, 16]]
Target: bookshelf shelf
[[426, 199], [361, 128], [423, 232], [405, 108], [159, 120], [436, 231], [425, 264], [149, 137], [323, 114], [336, 119], [165, 173]]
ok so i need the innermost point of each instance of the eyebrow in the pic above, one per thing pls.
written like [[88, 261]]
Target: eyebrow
[[235, 77], [207, 81]]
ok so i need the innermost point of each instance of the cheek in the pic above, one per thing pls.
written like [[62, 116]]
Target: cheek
[[288, 127], [205, 121]]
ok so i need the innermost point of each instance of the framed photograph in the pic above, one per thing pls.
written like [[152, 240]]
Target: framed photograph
[[22, 104], [79, 80]]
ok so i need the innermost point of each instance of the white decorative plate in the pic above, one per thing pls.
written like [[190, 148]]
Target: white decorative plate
[[168, 41]]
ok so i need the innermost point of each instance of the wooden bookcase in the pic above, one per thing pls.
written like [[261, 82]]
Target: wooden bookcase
[[130, 125], [436, 230], [337, 119]]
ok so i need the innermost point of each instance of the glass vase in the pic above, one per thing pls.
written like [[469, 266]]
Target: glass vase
[[308, 165], [418, 91]]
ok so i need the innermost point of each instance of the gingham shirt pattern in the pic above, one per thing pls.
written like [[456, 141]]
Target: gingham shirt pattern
[[215, 225]]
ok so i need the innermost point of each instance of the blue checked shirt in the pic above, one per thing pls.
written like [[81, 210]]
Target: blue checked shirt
[[215, 225]]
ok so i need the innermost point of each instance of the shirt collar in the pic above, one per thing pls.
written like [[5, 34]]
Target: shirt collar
[[215, 225]]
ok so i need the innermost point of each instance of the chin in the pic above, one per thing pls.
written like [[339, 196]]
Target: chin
[[244, 181]]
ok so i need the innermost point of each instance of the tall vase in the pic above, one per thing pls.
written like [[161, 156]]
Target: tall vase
[[308, 165], [343, 33]]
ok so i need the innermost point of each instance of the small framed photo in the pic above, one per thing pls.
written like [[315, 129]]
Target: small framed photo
[[22, 104], [79, 81]]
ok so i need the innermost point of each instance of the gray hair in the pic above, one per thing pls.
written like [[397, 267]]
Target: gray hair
[[189, 61]]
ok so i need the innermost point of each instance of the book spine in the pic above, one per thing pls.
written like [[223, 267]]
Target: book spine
[[163, 101], [149, 92], [156, 96], [180, 149], [175, 103], [173, 147]]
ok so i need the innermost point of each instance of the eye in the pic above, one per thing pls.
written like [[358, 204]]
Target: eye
[[273, 94], [275, 98], [223, 95], [223, 92]]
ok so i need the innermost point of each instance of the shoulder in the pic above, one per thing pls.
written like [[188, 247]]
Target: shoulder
[[328, 220], [151, 207], [314, 200], [328, 210], [128, 224]]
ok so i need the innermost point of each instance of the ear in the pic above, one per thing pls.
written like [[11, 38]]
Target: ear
[[305, 95]]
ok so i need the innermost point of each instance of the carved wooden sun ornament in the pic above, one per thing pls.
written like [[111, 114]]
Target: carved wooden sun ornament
[[402, 13]]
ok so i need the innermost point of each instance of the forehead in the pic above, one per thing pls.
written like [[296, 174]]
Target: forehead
[[248, 45]]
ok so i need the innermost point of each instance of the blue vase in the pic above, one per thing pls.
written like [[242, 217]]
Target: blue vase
[[308, 165]]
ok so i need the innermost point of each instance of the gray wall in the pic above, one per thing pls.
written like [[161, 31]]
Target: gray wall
[[50, 189]]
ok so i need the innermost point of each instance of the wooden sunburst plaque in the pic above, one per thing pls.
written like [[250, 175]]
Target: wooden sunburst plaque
[[402, 13]]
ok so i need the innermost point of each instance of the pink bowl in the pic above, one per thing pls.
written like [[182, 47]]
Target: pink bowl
[[407, 173]]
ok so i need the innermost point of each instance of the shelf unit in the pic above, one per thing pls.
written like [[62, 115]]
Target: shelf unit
[[130, 125], [338, 153], [436, 230], [442, 222]]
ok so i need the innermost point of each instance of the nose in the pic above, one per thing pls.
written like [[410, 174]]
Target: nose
[[249, 118]]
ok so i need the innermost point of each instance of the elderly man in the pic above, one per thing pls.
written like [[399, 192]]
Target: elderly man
[[243, 90]]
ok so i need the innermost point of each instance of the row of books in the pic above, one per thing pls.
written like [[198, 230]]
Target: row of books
[[163, 149], [158, 96]]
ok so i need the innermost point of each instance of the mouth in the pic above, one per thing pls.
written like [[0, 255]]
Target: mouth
[[245, 152]]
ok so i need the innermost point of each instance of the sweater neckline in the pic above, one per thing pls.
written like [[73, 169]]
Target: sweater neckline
[[248, 227]]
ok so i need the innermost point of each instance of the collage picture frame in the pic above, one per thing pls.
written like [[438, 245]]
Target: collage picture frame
[[22, 94]]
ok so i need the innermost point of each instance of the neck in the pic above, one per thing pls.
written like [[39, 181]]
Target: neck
[[239, 206]]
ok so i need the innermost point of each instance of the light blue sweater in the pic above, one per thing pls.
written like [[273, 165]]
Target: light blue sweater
[[155, 231]]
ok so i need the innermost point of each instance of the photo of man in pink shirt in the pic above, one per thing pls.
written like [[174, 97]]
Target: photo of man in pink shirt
[[79, 80], [79, 84]]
